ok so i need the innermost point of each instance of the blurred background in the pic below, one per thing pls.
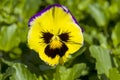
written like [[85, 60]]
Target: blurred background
[[98, 59]]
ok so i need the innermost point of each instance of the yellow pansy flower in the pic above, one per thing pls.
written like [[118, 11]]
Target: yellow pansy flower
[[54, 33]]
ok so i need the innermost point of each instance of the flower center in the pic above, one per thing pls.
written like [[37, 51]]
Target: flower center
[[55, 42], [55, 47]]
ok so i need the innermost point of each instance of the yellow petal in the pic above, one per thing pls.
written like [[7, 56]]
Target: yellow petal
[[55, 20]]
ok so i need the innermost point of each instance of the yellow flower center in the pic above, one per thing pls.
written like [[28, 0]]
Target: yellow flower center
[[55, 42]]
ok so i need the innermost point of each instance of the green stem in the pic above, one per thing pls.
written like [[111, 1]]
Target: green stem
[[57, 75]]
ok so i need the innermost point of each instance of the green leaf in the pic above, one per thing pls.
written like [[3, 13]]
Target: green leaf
[[30, 7], [97, 14], [75, 55], [114, 9], [22, 73], [2, 3], [83, 4], [16, 53], [1, 76], [72, 73], [64, 72], [8, 73], [8, 37], [40, 78], [9, 63], [116, 34], [102, 39], [103, 61], [77, 71], [88, 38], [114, 74]]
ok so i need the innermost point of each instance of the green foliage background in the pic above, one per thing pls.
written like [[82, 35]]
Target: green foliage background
[[98, 59]]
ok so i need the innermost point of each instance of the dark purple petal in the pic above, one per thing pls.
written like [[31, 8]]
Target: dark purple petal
[[47, 8]]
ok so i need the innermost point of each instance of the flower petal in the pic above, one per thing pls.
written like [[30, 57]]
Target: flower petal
[[55, 20], [48, 8]]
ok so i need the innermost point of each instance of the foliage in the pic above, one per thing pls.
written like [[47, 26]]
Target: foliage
[[98, 59]]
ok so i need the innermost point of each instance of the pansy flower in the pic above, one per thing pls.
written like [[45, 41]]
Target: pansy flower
[[54, 34]]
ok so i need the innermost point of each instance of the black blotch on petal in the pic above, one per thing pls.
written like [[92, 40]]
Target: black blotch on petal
[[47, 37], [64, 37], [57, 51]]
